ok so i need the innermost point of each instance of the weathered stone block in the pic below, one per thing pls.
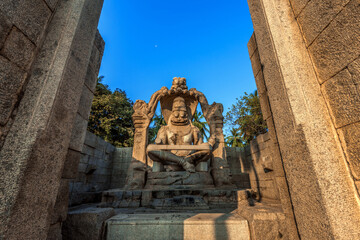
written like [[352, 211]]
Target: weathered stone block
[[71, 164], [78, 133], [85, 102], [255, 62], [5, 27], [55, 232], [51, 4], [316, 15], [95, 59], [86, 224], [331, 51], [209, 226], [99, 42], [18, 49], [11, 80], [30, 17], [252, 46], [265, 105], [61, 206], [260, 83], [90, 79], [88, 151], [343, 98], [90, 139], [350, 141], [298, 5]]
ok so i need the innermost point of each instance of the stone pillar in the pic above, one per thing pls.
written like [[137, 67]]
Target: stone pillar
[[322, 192], [34, 150]]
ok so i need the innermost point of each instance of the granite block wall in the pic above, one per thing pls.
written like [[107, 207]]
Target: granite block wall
[[121, 164], [22, 31], [94, 171], [302, 57], [331, 31], [45, 50]]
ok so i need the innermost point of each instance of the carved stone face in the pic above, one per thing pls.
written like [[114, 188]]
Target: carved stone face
[[179, 115]]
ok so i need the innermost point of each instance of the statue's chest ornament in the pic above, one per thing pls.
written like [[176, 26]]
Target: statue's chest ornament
[[179, 139]]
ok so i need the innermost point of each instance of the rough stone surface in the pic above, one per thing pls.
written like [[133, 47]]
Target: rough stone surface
[[94, 171], [298, 5], [321, 190], [78, 133], [36, 145], [54, 232], [350, 140], [177, 226], [30, 17], [343, 98], [11, 80], [332, 51], [266, 221], [61, 205], [86, 224], [316, 15], [5, 27], [85, 102], [51, 4], [71, 164], [255, 62], [18, 49]]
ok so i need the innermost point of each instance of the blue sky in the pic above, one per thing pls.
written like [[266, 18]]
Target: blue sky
[[150, 42]]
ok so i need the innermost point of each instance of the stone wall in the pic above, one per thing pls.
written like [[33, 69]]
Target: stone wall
[[331, 31], [121, 164], [103, 166], [94, 171], [252, 167], [304, 59], [46, 49], [22, 32]]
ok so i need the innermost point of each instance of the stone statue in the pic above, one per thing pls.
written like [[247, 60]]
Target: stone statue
[[179, 155], [180, 131]]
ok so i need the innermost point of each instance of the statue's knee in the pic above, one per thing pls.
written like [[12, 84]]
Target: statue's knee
[[153, 154]]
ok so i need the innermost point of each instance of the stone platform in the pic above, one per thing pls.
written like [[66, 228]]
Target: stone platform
[[175, 199], [177, 226]]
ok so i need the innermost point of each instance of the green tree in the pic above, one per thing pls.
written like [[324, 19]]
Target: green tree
[[199, 122], [245, 116], [234, 140], [110, 116]]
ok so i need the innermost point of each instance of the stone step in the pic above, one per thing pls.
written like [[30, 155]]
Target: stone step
[[177, 226], [173, 199]]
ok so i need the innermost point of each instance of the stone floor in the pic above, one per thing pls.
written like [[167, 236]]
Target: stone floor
[[177, 226]]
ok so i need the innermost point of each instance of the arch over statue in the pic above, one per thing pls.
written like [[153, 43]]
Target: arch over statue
[[179, 158]]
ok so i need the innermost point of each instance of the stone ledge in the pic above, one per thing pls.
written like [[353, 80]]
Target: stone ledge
[[177, 226]]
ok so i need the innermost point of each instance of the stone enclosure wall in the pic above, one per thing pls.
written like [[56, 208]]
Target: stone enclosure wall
[[103, 166], [22, 32], [94, 171], [304, 56], [50, 53], [331, 32]]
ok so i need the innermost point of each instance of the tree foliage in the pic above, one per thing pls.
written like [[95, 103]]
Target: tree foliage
[[200, 122], [110, 116], [245, 119]]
